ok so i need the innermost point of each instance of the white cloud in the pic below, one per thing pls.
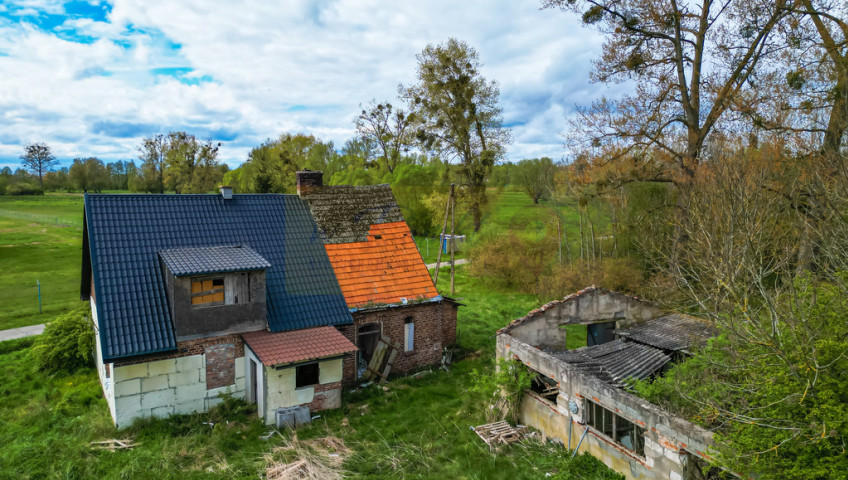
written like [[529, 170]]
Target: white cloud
[[266, 67]]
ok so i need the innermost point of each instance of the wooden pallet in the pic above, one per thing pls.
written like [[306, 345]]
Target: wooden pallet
[[114, 444], [500, 433], [373, 370]]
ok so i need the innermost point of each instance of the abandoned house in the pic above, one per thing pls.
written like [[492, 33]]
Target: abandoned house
[[197, 295], [580, 395]]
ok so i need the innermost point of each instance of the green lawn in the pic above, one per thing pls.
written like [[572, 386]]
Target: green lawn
[[413, 428], [40, 241]]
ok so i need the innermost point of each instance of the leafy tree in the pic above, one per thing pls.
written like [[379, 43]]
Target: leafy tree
[[390, 128], [271, 166], [459, 115], [191, 166], [151, 173], [38, 159], [688, 68], [66, 344], [88, 174], [535, 176]]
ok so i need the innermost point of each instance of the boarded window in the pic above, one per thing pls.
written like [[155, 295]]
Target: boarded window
[[622, 431], [230, 289], [306, 375], [207, 291], [408, 334]]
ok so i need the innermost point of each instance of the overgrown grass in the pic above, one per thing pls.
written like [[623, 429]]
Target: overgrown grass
[[412, 428]]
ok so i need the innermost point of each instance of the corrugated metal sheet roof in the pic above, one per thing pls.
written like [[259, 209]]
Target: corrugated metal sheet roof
[[298, 346], [616, 361], [194, 261], [126, 232], [674, 332]]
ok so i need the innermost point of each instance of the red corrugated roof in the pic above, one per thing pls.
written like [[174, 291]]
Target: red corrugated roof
[[383, 269], [298, 345]]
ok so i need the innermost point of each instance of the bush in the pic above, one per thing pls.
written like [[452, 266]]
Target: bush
[[619, 274], [511, 260], [66, 344], [23, 188]]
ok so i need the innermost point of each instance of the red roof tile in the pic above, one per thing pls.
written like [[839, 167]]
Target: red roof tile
[[383, 269], [298, 345]]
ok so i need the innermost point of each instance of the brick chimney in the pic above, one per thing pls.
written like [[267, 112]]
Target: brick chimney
[[308, 181]]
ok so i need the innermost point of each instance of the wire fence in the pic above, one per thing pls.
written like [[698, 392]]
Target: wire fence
[[42, 218]]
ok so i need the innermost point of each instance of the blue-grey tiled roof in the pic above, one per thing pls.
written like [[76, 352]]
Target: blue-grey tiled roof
[[125, 234], [198, 260]]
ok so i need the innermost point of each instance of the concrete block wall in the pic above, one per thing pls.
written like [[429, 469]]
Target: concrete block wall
[[280, 389], [169, 386]]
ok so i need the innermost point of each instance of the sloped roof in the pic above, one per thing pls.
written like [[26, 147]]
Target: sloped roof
[[125, 233], [198, 260], [615, 361], [298, 346], [674, 332], [384, 269], [345, 213]]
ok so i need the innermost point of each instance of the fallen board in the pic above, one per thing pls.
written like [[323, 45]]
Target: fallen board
[[500, 433]]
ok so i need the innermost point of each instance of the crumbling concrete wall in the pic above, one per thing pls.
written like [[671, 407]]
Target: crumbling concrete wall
[[668, 439], [541, 327]]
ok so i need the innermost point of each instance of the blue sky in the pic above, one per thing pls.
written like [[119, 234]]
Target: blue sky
[[92, 78]]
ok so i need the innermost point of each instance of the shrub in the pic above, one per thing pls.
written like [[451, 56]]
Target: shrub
[[23, 188], [66, 344], [619, 274], [511, 260], [506, 382]]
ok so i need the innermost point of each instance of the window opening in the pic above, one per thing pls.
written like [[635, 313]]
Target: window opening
[[622, 431], [408, 334], [545, 386], [367, 336], [207, 291], [600, 333], [306, 375]]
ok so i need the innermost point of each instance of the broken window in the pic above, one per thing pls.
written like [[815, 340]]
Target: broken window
[[306, 375], [545, 386], [619, 429]]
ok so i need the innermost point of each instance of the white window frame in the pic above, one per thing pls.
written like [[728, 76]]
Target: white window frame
[[408, 335]]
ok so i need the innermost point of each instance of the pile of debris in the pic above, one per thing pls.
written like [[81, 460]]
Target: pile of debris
[[500, 433], [316, 459]]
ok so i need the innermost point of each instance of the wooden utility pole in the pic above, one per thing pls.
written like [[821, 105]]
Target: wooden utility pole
[[452, 202], [442, 237]]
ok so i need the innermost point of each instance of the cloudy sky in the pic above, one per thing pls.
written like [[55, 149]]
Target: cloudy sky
[[92, 78]]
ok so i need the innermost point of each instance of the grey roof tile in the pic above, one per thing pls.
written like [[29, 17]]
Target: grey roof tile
[[125, 234], [616, 361], [198, 260]]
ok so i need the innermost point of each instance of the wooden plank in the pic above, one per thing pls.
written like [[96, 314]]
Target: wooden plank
[[388, 369], [376, 360]]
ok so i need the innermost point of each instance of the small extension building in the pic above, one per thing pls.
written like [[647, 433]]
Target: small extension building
[[197, 295], [582, 393]]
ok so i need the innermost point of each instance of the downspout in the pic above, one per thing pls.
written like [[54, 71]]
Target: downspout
[[580, 442]]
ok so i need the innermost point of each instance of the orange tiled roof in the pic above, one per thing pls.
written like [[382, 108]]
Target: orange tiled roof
[[383, 269], [297, 345]]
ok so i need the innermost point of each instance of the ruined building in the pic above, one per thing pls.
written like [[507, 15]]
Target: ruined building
[[582, 393]]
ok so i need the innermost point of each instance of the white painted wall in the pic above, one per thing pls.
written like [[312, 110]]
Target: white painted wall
[[280, 388], [105, 382], [166, 387]]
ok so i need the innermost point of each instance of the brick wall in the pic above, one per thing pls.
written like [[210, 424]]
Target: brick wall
[[326, 396], [188, 348], [220, 365], [435, 327]]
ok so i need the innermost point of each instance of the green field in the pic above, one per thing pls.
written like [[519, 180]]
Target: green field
[[40, 242]]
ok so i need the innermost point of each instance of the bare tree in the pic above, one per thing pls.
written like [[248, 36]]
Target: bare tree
[[38, 159]]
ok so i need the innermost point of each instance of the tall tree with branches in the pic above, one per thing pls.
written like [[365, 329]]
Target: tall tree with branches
[[688, 68], [390, 128], [459, 115], [38, 159]]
